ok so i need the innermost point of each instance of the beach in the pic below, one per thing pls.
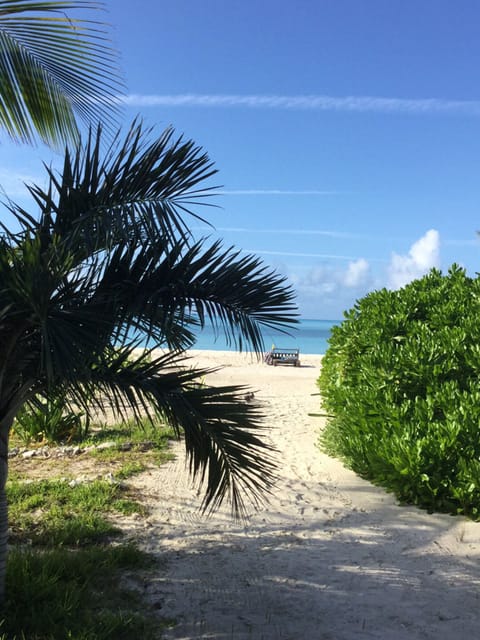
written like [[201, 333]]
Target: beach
[[329, 557]]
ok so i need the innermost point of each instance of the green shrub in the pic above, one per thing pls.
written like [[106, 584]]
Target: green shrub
[[401, 384], [50, 421]]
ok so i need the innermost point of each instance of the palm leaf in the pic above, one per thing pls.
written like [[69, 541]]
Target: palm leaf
[[192, 284], [54, 68], [109, 266], [222, 432], [137, 188]]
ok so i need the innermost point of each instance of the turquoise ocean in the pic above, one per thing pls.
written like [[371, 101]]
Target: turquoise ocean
[[310, 336]]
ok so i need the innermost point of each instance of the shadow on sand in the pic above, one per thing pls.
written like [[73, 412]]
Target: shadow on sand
[[328, 573]]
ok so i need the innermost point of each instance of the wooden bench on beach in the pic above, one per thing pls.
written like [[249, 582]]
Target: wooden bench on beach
[[283, 356]]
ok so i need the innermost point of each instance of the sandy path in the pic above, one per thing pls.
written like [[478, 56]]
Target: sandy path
[[330, 558]]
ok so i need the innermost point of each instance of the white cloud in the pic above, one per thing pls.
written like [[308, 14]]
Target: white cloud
[[357, 273], [330, 289], [329, 279], [366, 104], [423, 255], [322, 279]]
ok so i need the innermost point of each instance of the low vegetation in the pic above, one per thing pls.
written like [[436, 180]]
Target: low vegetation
[[71, 573], [50, 421], [400, 382], [74, 593]]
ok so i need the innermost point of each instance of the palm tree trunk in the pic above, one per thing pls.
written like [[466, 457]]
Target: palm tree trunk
[[5, 425]]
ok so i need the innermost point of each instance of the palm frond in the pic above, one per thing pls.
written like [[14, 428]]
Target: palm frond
[[224, 438], [136, 189], [157, 285], [110, 266], [222, 433], [54, 68]]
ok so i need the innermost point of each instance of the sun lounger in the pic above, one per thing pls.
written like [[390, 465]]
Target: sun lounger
[[283, 356]]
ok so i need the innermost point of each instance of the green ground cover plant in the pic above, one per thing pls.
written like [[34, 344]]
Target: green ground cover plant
[[400, 384], [50, 421], [137, 432], [52, 513], [75, 594], [70, 572]]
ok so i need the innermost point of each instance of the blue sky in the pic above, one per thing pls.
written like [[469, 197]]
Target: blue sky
[[346, 132]]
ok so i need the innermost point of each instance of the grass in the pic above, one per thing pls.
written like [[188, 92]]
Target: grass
[[131, 431], [75, 594], [51, 512], [130, 469], [134, 448], [69, 574]]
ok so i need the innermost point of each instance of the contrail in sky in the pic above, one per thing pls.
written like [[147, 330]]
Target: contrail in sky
[[364, 104], [276, 192], [300, 255], [308, 232], [326, 256]]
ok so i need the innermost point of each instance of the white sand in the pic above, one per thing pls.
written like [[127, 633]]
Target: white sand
[[330, 558]]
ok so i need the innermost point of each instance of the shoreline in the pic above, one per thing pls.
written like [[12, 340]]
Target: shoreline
[[235, 352], [237, 358]]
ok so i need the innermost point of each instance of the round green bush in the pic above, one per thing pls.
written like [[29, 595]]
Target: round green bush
[[401, 384]]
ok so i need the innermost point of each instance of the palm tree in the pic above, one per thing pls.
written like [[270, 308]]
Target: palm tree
[[109, 264], [54, 67]]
